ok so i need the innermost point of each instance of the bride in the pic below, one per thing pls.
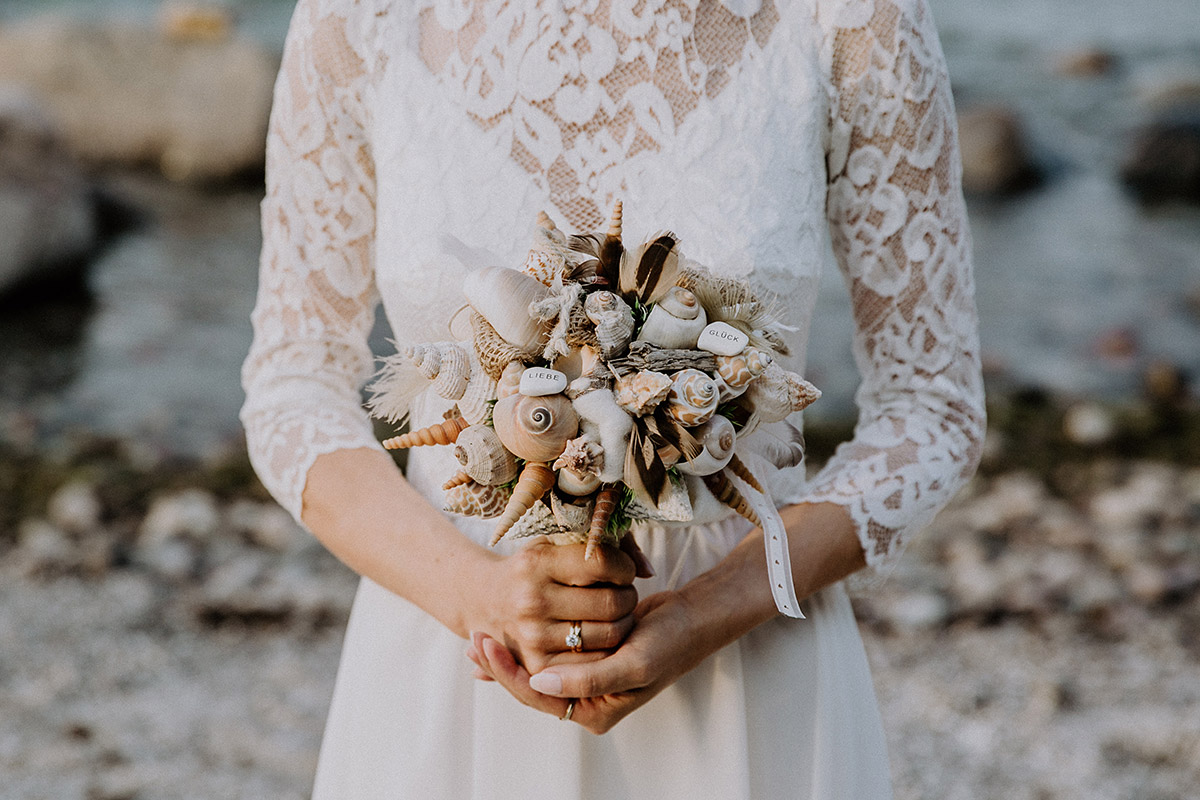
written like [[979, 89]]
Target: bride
[[777, 138]]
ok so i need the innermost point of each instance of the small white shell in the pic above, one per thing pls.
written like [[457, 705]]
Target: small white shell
[[510, 380], [722, 339], [540, 381], [676, 506], [718, 437], [577, 484], [675, 322]]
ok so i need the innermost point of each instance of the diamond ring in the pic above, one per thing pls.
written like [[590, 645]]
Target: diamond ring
[[575, 637]]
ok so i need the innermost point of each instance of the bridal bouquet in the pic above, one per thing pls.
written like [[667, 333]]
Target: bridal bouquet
[[601, 386]]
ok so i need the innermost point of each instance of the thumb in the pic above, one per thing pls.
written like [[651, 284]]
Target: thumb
[[620, 672]]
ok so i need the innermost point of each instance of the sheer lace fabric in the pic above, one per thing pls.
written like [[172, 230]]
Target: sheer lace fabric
[[769, 135]]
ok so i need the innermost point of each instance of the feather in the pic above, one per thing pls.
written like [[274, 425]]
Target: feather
[[666, 430], [648, 275], [398, 381], [644, 470], [612, 252]]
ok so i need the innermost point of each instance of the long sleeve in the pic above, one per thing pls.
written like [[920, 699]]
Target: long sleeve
[[899, 232], [317, 295]]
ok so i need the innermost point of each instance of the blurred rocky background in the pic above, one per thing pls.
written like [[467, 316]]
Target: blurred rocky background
[[166, 631]]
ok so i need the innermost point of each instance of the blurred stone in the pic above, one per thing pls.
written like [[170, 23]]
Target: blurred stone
[[1164, 383], [1162, 159], [1142, 498], [1117, 344], [995, 154], [1090, 62], [1088, 424], [268, 526], [196, 22], [43, 547], [75, 507], [47, 211], [917, 611], [191, 512], [174, 559], [130, 94], [1145, 583]]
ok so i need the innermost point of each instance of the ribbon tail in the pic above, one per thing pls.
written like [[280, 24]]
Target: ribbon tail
[[779, 565]]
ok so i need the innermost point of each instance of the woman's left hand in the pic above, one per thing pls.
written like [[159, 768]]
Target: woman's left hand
[[661, 648]]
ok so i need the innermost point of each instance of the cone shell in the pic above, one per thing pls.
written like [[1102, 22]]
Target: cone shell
[[613, 319], [777, 393], [675, 322], [477, 500], [503, 297], [536, 479], [535, 428], [640, 392], [718, 437], [693, 398], [458, 480], [606, 504], [441, 433], [483, 457]]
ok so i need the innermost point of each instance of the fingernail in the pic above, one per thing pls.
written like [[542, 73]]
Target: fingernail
[[546, 683]]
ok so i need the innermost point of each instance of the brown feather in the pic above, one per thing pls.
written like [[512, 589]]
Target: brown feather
[[653, 271], [644, 470]]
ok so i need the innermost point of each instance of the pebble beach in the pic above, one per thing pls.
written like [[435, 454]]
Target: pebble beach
[[167, 631]]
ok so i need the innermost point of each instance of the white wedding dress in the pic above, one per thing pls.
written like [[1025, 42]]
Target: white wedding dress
[[777, 138]]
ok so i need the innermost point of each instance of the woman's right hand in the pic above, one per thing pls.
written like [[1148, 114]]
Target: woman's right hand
[[530, 599]]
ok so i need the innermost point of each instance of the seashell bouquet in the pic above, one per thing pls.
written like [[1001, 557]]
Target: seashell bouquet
[[602, 385]]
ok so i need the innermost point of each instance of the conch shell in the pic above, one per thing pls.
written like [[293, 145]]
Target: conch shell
[[613, 319], [676, 320], [607, 423], [503, 297], [476, 500], [718, 437], [693, 398], [776, 393], [441, 433], [483, 457], [548, 256], [640, 392], [581, 455], [734, 373], [536, 479], [535, 428]]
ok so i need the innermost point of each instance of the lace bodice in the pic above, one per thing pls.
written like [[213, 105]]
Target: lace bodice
[[412, 139]]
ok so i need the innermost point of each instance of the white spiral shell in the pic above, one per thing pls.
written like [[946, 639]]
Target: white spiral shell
[[718, 437], [676, 320], [693, 398]]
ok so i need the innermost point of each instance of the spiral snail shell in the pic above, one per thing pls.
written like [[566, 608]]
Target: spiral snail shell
[[718, 437], [693, 398], [484, 457], [535, 428], [734, 373], [676, 320], [613, 319]]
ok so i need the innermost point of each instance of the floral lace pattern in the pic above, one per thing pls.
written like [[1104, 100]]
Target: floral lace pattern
[[835, 115], [583, 85]]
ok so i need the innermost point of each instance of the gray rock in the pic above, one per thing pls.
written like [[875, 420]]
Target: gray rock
[[192, 513], [268, 526], [75, 507], [130, 94], [47, 213], [1162, 160]]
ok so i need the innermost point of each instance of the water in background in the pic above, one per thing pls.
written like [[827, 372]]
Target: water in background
[[1058, 269]]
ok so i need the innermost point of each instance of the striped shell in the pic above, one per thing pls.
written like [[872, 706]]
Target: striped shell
[[693, 397], [640, 392], [536, 479], [736, 372], [483, 457], [477, 500], [535, 428]]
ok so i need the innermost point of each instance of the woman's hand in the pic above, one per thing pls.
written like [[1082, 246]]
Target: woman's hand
[[530, 599], [661, 648]]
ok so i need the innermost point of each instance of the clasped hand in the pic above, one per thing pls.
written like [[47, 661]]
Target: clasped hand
[[633, 650]]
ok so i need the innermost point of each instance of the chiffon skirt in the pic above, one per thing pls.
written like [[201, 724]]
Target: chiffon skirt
[[787, 711]]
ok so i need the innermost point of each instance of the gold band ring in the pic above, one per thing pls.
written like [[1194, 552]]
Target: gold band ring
[[566, 717]]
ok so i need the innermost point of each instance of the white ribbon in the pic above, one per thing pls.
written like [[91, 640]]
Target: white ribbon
[[779, 565]]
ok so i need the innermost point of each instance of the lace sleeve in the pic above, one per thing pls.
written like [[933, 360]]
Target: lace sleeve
[[899, 231], [316, 294]]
